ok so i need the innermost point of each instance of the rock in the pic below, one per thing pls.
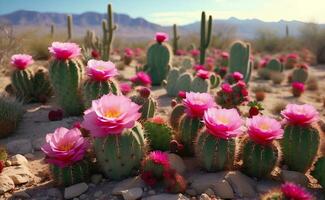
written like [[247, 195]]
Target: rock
[[132, 194], [21, 195], [37, 143], [98, 194], [54, 193], [83, 196], [151, 192], [264, 186], [295, 177], [204, 197], [75, 190], [167, 197], [18, 160], [29, 156], [19, 174], [6, 184], [96, 178], [127, 184], [177, 163], [241, 184], [8, 163], [190, 192], [21, 146], [209, 192]]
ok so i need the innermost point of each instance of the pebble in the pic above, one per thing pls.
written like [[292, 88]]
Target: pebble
[[295, 177], [98, 193], [151, 192], [75, 190], [18, 160], [128, 184], [22, 195], [204, 197], [132, 194]]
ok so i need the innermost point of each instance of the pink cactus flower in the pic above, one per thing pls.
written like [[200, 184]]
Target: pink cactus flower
[[263, 129], [138, 52], [237, 76], [195, 52], [161, 37], [100, 70], [199, 67], [224, 55], [141, 78], [128, 52], [304, 66], [110, 115], [298, 86], [263, 63], [159, 158], [157, 120], [223, 123], [180, 52], [197, 103], [182, 94], [241, 84], [95, 54], [300, 114], [65, 147], [64, 51], [125, 88], [203, 74], [21, 61], [294, 192], [226, 88], [293, 56]]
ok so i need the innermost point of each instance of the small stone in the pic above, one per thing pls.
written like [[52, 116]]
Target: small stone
[[83, 196], [19, 174], [151, 192], [75, 190], [54, 193], [209, 192], [18, 160], [177, 163], [242, 185], [6, 184], [128, 184], [204, 197], [8, 163], [96, 178], [21, 195], [295, 177], [190, 192], [29, 156], [167, 197], [132, 194], [98, 194], [21, 146], [91, 185]]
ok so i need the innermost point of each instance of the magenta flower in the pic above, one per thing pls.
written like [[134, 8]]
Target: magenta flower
[[65, 147], [197, 103], [225, 55], [300, 114], [181, 94], [237, 76], [293, 56], [263, 129], [199, 67], [161, 37], [226, 88], [110, 115], [100, 70], [294, 192], [159, 158], [128, 52], [21, 61], [203, 74], [195, 52], [223, 123], [141, 78], [64, 50], [125, 88], [298, 86]]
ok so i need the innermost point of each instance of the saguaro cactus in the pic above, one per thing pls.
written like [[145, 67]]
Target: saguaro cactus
[[69, 26], [175, 39], [108, 33], [205, 36], [52, 31]]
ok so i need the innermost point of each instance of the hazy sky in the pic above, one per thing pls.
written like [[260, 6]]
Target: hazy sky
[[183, 11]]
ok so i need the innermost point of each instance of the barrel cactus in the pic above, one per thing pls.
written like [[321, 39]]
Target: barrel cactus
[[42, 88], [146, 101], [301, 140], [274, 66], [319, 171], [300, 74], [176, 114]]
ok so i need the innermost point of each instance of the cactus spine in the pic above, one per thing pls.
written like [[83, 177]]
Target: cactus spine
[[108, 33], [175, 39], [205, 36], [319, 171], [239, 60], [299, 146], [66, 77], [159, 135], [76, 173], [120, 156], [214, 153], [22, 82], [69, 26]]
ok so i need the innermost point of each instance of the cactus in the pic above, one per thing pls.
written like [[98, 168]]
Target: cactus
[[287, 30], [176, 115], [22, 82], [259, 160], [175, 183], [42, 89], [76, 173], [120, 156], [239, 60], [66, 77], [52, 31], [94, 89], [275, 194], [205, 36], [148, 106], [159, 58], [175, 39], [69, 26], [319, 171], [299, 146], [300, 75], [108, 33], [11, 112], [274, 66], [159, 135], [214, 153]]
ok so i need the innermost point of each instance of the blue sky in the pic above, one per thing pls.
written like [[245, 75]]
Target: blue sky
[[182, 11]]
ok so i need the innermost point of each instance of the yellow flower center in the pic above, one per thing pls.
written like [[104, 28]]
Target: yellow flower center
[[66, 147], [265, 126], [101, 68], [223, 119], [113, 113]]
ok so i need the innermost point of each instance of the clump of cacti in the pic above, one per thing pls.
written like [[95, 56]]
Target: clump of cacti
[[231, 96], [318, 171], [158, 133], [300, 74], [239, 60], [11, 112], [159, 58], [146, 101], [66, 73], [301, 140], [176, 37], [273, 66], [205, 36]]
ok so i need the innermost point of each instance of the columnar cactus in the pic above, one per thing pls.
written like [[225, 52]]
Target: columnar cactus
[[205, 36], [319, 171], [69, 26], [300, 74], [239, 60], [301, 140], [108, 33], [175, 39], [147, 103], [52, 31], [159, 58]]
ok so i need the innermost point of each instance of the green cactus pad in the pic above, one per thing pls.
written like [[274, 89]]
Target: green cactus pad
[[200, 85], [319, 171], [159, 135], [175, 116], [148, 106], [42, 89], [300, 75], [22, 82]]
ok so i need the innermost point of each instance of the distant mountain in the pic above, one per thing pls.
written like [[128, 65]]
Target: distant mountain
[[139, 27]]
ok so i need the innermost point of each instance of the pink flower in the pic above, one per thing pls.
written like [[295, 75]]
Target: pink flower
[[64, 50], [304, 66], [21, 61], [195, 52], [294, 192], [95, 54], [159, 158], [225, 55], [100, 70], [180, 52], [292, 56], [128, 52], [226, 88], [298, 86], [223, 123], [203, 74], [161, 37], [141, 78], [65, 147], [300, 114], [138, 52], [182, 94], [110, 115], [237, 76], [197, 103], [125, 88], [244, 92], [241, 84], [199, 67], [263, 129]]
